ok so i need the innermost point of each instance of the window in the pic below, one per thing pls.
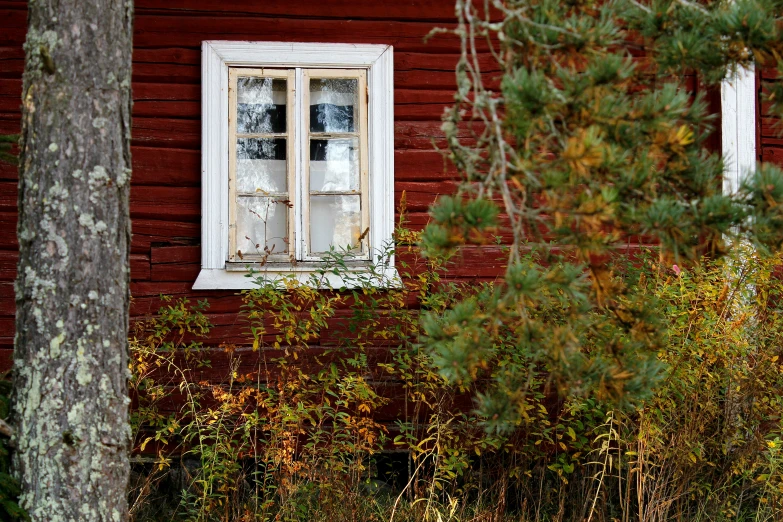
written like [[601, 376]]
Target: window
[[297, 159]]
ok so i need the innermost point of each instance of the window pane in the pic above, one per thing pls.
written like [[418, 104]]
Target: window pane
[[261, 222], [334, 221], [334, 165], [261, 105], [333, 105], [261, 165]]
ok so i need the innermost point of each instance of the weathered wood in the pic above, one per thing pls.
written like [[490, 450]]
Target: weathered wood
[[147, 232], [160, 132], [8, 262], [417, 10], [421, 165], [166, 203], [420, 195], [175, 254], [773, 155], [159, 166], [139, 267], [154, 30], [71, 356]]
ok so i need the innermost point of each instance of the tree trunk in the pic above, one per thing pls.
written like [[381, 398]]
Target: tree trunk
[[71, 358]]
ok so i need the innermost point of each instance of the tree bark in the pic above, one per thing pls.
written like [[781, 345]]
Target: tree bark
[[71, 357]]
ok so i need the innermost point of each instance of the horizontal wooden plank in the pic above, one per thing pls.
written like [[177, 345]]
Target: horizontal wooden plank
[[7, 357], [170, 55], [148, 232], [14, 52], [419, 112], [425, 135], [7, 299], [165, 166], [419, 96], [168, 73], [153, 30], [187, 272], [8, 193], [11, 67], [418, 10], [13, 16], [165, 92], [176, 289], [773, 155], [420, 195], [11, 87], [8, 260], [165, 203], [167, 109], [10, 123], [771, 127], [176, 254], [7, 304], [421, 165], [426, 80], [15, 35], [166, 132], [8, 239], [139, 267], [147, 305], [11, 106]]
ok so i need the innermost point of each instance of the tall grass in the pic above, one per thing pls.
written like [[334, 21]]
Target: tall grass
[[295, 435]]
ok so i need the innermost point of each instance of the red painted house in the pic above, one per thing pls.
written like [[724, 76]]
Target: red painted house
[[296, 113], [169, 84]]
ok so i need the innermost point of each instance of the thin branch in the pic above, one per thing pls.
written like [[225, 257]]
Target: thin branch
[[5, 429]]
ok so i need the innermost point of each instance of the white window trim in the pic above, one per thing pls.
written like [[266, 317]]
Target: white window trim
[[738, 127], [217, 57]]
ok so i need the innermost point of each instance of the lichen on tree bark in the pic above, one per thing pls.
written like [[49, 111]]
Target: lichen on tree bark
[[70, 360]]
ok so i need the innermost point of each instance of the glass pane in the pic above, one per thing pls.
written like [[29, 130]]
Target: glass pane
[[261, 105], [333, 105], [261, 222], [334, 165], [334, 221], [261, 165]]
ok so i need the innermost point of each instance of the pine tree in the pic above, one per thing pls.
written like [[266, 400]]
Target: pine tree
[[591, 140]]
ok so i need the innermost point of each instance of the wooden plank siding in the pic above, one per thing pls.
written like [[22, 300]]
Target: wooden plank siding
[[166, 135], [769, 129]]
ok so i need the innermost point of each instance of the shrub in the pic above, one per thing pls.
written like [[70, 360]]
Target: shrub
[[291, 432]]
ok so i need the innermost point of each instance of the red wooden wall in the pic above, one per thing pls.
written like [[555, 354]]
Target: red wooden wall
[[769, 131], [165, 195]]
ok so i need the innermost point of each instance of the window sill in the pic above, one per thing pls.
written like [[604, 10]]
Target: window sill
[[353, 277]]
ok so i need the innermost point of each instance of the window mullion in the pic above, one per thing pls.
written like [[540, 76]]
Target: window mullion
[[300, 136]]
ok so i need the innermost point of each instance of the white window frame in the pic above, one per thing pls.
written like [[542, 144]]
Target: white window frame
[[738, 127], [217, 58]]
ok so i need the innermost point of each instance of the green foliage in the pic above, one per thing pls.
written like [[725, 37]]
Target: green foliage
[[288, 429], [593, 141], [593, 382], [6, 142], [9, 486]]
